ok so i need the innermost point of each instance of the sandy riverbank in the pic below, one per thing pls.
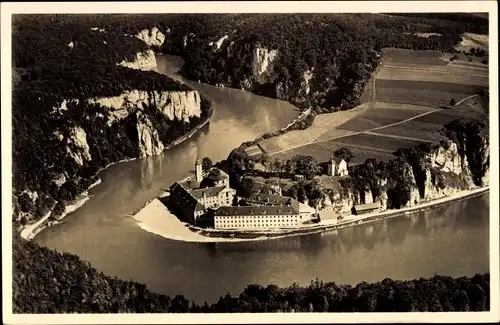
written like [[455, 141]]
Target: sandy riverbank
[[157, 219], [30, 231]]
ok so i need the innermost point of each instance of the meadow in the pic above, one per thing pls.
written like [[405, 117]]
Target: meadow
[[409, 104]]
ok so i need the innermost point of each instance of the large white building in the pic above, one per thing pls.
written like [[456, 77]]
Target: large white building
[[264, 212], [193, 201], [261, 212]]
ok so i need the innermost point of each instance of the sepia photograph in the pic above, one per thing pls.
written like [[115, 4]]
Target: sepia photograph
[[284, 161]]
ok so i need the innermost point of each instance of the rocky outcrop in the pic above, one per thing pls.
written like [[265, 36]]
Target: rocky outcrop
[[216, 45], [143, 61], [305, 85], [149, 141], [180, 105], [152, 37], [445, 172], [262, 64], [77, 147]]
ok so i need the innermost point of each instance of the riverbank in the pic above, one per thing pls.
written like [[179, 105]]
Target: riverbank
[[157, 219], [29, 232]]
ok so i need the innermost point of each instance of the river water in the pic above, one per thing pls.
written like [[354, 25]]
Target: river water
[[452, 240]]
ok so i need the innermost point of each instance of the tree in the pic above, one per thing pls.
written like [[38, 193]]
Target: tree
[[206, 164], [344, 153], [305, 165], [246, 187]]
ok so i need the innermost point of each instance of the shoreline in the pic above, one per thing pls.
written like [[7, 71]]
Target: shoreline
[[29, 231], [157, 219]]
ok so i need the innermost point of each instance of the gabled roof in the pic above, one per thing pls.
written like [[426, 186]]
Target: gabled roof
[[190, 202], [256, 211], [336, 160], [217, 174], [370, 206], [270, 199], [209, 191]]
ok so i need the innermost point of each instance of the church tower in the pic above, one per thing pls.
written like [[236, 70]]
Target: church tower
[[332, 167], [198, 170]]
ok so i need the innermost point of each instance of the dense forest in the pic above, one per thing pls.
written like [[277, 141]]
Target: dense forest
[[336, 53], [340, 51], [45, 281], [59, 62]]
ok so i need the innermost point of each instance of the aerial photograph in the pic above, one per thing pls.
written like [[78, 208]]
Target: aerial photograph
[[250, 162]]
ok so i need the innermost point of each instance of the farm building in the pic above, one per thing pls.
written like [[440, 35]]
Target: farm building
[[366, 208], [337, 167]]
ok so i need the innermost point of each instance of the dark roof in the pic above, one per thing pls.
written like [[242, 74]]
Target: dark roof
[[209, 191], [190, 202], [336, 159], [371, 206], [256, 211], [217, 174], [270, 199], [189, 183]]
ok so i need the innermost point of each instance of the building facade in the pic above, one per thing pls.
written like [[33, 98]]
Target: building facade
[[264, 212], [337, 167], [194, 201]]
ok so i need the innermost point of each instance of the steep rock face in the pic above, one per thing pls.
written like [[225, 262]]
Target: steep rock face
[[341, 204], [414, 193], [78, 141], [448, 172], [305, 85], [180, 105], [262, 63], [449, 160], [149, 141], [218, 43], [152, 37], [142, 61]]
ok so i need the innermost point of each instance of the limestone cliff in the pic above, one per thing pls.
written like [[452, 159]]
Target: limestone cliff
[[149, 141], [180, 105], [217, 45], [143, 61], [152, 37], [77, 146], [445, 172], [262, 64]]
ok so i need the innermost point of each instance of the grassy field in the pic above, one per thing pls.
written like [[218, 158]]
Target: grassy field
[[409, 96]]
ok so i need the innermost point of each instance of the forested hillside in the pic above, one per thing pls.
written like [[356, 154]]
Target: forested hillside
[[62, 133], [46, 281], [321, 60], [318, 60]]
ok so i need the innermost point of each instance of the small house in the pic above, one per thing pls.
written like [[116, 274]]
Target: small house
[[299, 178], [366, 208]]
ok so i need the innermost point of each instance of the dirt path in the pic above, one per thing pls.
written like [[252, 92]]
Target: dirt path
[[372, 129]]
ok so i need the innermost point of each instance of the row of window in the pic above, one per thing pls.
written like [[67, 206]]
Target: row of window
[[255, 225], [291, 217]]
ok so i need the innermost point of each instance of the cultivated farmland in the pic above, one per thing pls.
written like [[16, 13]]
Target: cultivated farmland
[[411, 97]]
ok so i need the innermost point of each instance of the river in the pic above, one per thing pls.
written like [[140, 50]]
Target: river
[[452, 240]]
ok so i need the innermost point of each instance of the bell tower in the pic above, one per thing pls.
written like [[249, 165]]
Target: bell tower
[[198, 170]]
